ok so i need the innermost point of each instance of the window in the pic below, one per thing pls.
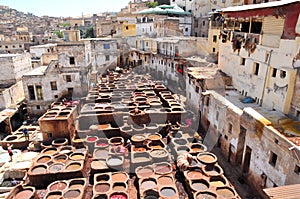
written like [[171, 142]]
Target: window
[[215, 38], [31, 92], [53, 86], [106, 57], [267, 57], [203, 23], [68, 78], [20, 46], [197, 89], [297, 113], [55, 96], [273, 159], [276, 141], [243, 61], [297, 169], [207, 101], [256, 68], [217, 115], [14, 46], [282, 74], [229, 128], [72, 60], [6, 46], [106, 46], [274, 71], [38, 107], [214, 50], [39, 92], [126, 27]]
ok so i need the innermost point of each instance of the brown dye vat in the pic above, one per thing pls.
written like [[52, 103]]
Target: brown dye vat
[[121, 177], [58, 186], [119, 186], [225, 192], [102, 178], [148, 183], [72, 193], [167, 192], [39, 169], [116, 141], [199, 185], [103, 126], [217, 181], [102, 187], [156, 147], [60, 158], [98, 164], [54, 195], [213, 170], [154, 137], [144, 172], [76, 184], [56, 167], [194, 174], [205, 195], [102, 154], [25, 194], [165, 180], [44, 159], [77, 156], [139, 149], [163, 168], [73, 166], [207, 158], [50, 151], [197, 148]]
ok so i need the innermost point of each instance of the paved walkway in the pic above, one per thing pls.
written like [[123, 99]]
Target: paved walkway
[[233, 174]]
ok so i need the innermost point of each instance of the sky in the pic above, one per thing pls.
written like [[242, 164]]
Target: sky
[[65, 8]]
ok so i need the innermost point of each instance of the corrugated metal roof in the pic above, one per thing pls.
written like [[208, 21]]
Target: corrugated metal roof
[[258, 6], [284, 192]]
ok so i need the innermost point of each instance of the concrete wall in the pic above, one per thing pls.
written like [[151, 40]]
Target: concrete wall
[[46, 58], [38, 51], [13, 67]]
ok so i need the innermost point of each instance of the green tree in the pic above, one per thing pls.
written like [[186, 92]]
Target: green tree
[[89, 32], [59, 34], [152, 4]]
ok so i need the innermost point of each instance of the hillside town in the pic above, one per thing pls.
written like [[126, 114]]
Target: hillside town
[[180, 99]]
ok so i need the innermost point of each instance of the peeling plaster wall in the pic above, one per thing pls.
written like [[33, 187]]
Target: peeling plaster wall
[[100, 54], [271, 92], [295, 106], [48, 93], [12, 95], [263, 140]]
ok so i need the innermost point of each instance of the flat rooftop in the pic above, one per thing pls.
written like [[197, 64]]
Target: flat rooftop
[[204, 72], [43, 46], [37, 71], [8, 55]]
